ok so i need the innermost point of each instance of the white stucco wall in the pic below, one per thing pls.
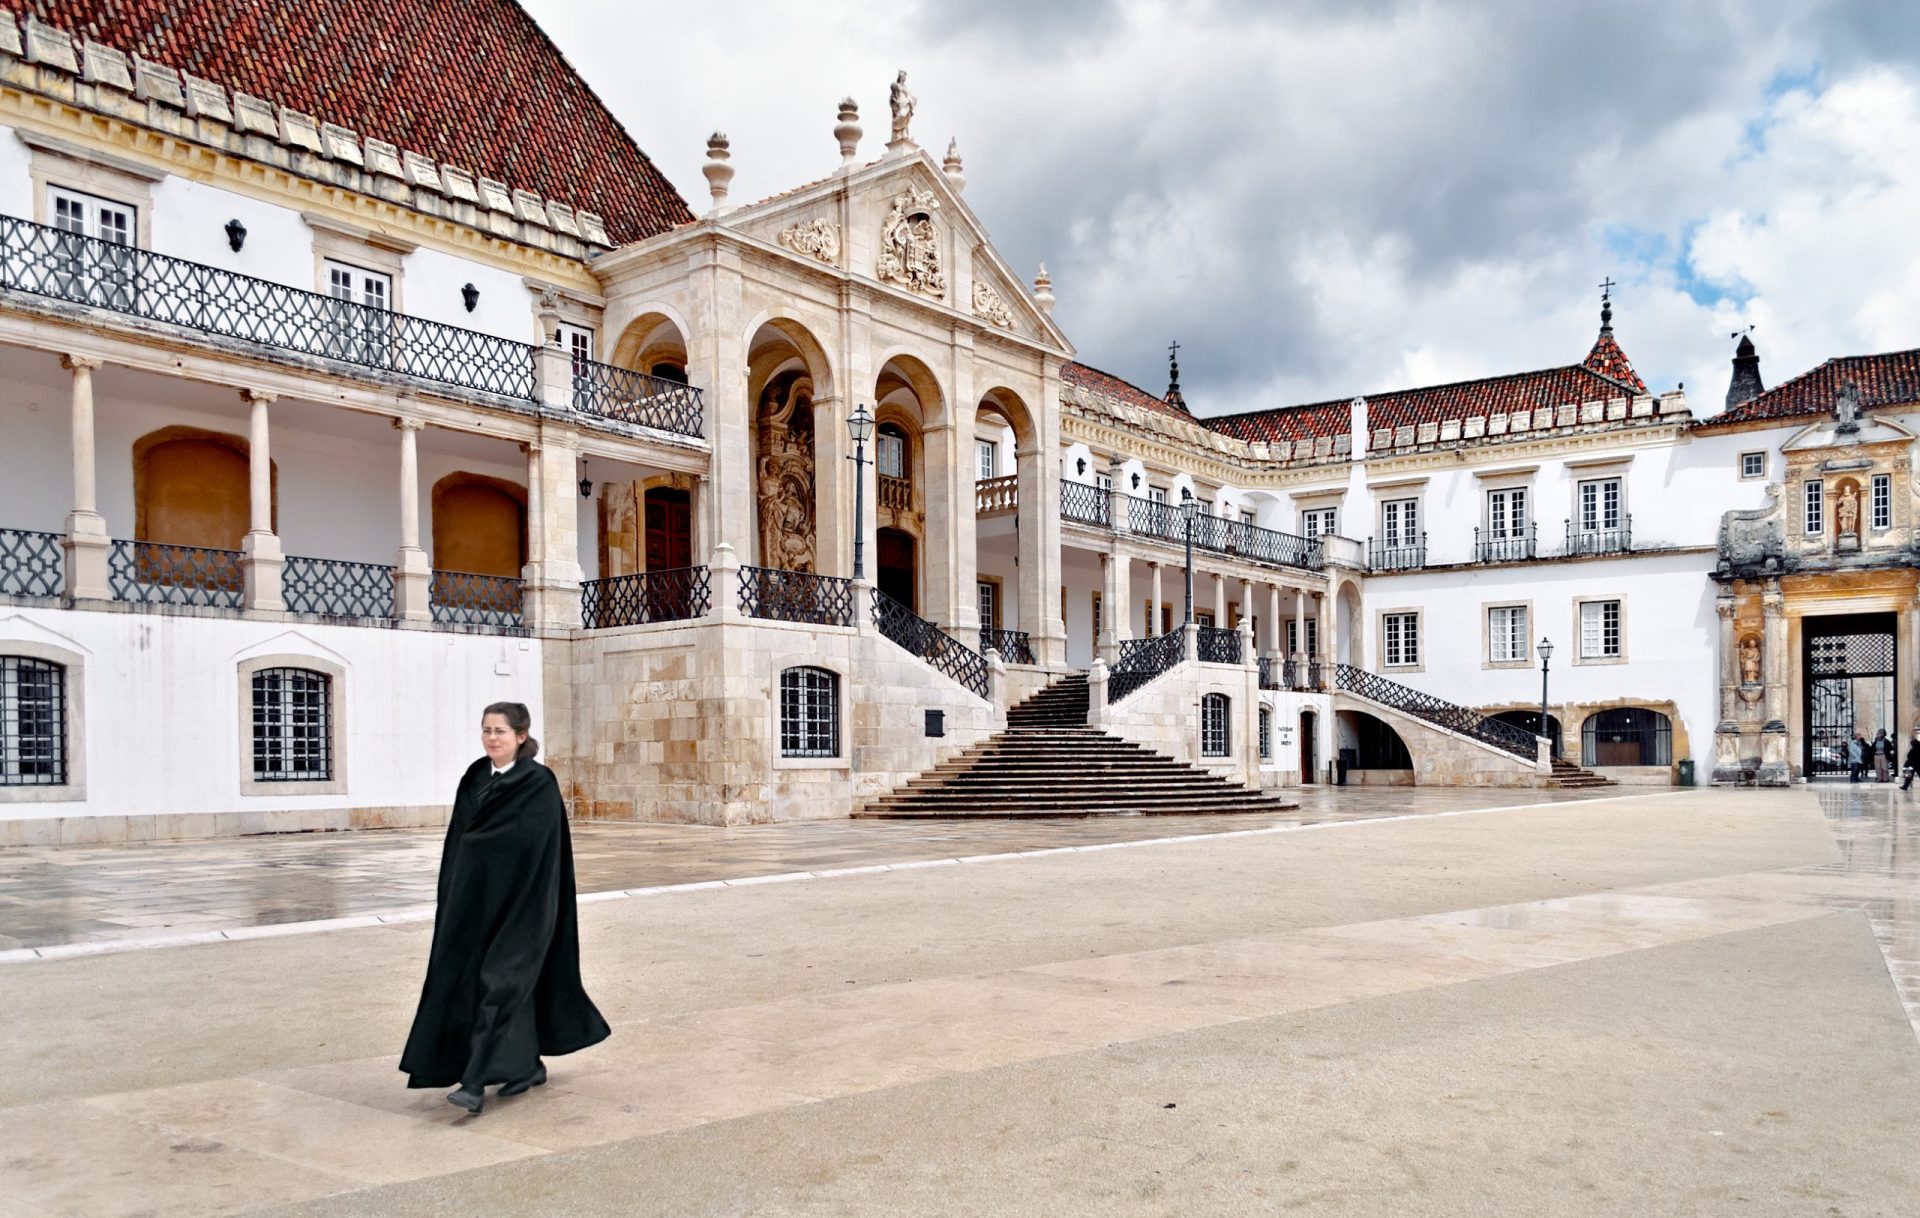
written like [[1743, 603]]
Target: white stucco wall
[[16, 186]]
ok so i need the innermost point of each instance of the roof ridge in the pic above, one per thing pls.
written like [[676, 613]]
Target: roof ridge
[[1387, 393]]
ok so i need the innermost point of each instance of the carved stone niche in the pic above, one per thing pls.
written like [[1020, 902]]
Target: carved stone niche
[[910, 244], [1751, 683]]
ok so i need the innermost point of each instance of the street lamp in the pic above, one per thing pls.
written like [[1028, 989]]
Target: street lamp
[[860, 427], [1186, 510], [1545, 648]]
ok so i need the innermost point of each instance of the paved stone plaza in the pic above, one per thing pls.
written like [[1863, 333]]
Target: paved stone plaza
[[1671, 1003]]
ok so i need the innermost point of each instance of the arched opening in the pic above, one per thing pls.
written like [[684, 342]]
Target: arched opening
[[479, 525], [191, 488], [906, 484], [785, 368], [1372, 750], [1003, 456], [1348, 636], [896, 566], [1530, 721], [652, 343], [1626, 735]]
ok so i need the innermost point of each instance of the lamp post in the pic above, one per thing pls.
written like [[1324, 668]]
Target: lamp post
[[860, 427], [1545, 648], [1186, 511]]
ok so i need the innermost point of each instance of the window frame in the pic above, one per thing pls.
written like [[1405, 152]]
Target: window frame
[[1320, 522], [836, 720], [1580, 654], [1491, 657], [1394, 637], [892, 434], [1813, 507], [1591, 511], [1313, 638], [1266, 732], [986, 459], [337, 741], [990, 587], [277, 725], [1514, 512], [1758, 455], [1216, 726], [58, 165], [1880, 501], [47, 763], [73, 666], [1400, 522]]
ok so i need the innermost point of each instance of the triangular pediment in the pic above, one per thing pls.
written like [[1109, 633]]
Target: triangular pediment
[[1832, 433]]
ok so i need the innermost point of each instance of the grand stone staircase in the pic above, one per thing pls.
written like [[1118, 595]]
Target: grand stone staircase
[[1050, 763]]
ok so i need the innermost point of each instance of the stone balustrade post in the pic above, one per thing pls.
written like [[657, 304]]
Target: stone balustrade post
[[1190, 643], [552, 573], [412, 573], [863, 606], [997, 687], [262, 563], [1247, 657], [724, 569], [1097, 695], [86, 543]]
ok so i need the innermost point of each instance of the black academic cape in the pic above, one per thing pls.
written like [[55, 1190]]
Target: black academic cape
[[503, 980]]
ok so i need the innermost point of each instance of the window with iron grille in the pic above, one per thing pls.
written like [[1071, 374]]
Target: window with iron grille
[[292, 725], [1815, 507], [1266, 734], [1883, 501], [1507, 634], [809, 713], [1215, 735], [1402, 639], [1599, 630], [33, 722]]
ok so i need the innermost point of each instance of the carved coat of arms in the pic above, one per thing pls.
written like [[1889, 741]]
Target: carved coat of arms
[[910, 245], [817, 238]]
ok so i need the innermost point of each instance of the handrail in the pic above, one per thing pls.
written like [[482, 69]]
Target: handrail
[[676, 594], [1013, 646], [1515, 546], [932, 644], [796, 596], [1618, 540], [1396, 555], [159, 573], [1439, 712], [1085, 503], [626, 396], [1141, 660], [1217, 645]]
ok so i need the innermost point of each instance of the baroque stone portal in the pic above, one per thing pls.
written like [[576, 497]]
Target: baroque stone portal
[[910, 245], [783, 473]]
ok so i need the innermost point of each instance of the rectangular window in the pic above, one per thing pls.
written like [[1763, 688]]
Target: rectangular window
[[1266, 734], [578, 343], [1215, 734], [1402, 639], [1152, 626], [1203, 617], [1753, 465], [1882, 501], [1507, 513], [1320, 522], [987, 457], [809, 713], [1157, 494], [1313, 637], [890, 453], [1105, 483], [361, 321], [1098, 625], [92, 216], [33, 722], [292, 732], [1400, 522], [89, 266], [1507, 634], [989, 605], [1599, 630], [1815, 515], [1600, 505], [1246, 517]]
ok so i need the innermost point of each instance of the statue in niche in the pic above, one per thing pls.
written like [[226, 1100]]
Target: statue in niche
[[902, 103], [1846, 509], [910, 245], [784, 476], [1750, 661]]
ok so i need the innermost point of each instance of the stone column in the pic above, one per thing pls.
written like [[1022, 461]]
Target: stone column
[[1119, 613], [717, 366], [1775, 768], [1220, 601], [261, 559], [947, 600], [552, 574], [832, 492], [1153, 614], [1276, 636], [1246, 601], [412, 574], [1299, 623], [1726, 736], [86, 544]]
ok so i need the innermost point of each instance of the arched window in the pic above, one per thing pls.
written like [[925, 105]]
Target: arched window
[[33, 722], [809, 713], [292, 725], [1627, 735], [1216, 734], [1266, 734], [670, 372]]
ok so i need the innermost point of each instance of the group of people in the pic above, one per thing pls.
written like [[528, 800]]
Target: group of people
[[1878, 753]]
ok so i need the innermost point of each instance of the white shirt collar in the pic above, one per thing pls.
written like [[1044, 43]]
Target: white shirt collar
[[497, 770]]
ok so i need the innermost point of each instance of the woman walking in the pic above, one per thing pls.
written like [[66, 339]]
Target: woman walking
[[1882, 756], [503, 979]]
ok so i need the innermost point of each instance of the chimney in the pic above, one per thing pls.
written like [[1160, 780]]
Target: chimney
[[1746, 384]]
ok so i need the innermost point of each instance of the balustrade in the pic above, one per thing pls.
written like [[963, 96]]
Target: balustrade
[[796, 596], [1013, 645], [626, 396], [1582, 541], [1397, 554], [153, 573], [674, 595], [1141, 660], [1455, 718], [1086, 504], [1514, 546], [894, 492], [1217, 645], [459, 598], [1000, 495], [31, 563]]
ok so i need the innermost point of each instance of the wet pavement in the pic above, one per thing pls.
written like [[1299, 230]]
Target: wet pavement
[[162, 891]]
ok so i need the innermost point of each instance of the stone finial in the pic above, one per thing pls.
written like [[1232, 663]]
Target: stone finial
[[719, 174], [956, 173], [1043, 290], [848, 132]]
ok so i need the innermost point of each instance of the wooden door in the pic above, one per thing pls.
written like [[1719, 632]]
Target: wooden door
[[669, 529]]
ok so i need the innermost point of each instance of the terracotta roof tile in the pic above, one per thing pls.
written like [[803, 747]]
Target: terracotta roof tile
[[1112, 386], [1610, 361], [475, 83], [1891, 378]]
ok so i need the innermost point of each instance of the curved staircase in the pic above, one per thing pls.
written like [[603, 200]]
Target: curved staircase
[[1050, 763]]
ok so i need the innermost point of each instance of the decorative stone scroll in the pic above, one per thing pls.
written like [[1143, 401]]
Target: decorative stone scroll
[[816, 238], [988, 306], [910, 245], [783, 472]]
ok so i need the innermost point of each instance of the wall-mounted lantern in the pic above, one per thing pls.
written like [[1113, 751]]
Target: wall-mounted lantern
[[471, 295], [1136, 482], [236, 234], [1081, 465], [586, 483]]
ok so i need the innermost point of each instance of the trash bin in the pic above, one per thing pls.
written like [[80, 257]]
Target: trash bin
[[1685, 777], [1349, 759]]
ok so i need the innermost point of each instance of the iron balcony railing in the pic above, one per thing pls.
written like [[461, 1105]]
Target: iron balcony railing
[[626, 396], [1268, 678], [678, 594], [460, 598], [796, 596], [1462, 719], [31, 563], [1141, 660], [1086, 504], [1013, 645], [1254, 541], [49, 262], [1153, 518], [1316, 675], [1217, 645], [932, 644], [1583, 539], [1517, 545], [1396, 553], [330, 587], [153, 573], [1002, 495]]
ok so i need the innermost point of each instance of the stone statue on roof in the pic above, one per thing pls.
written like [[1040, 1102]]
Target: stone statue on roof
[[1846, 408], [902, 103]]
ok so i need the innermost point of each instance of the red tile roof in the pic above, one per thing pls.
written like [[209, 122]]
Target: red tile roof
[[1891, 378], [1431, 404], [1610, 361], [1112, 386], [474, 83]]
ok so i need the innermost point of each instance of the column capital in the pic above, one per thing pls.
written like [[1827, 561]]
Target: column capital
[[263, 397], [75, 363], [405, 424]]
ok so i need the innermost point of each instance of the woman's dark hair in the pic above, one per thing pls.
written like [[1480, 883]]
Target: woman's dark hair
[[519, 718]]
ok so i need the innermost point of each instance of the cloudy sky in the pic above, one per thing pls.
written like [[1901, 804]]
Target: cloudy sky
[[1342, 196]]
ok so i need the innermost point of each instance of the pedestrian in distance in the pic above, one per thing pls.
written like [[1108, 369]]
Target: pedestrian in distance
[[1856, 758], [1883, 756], [1912, 764], [503, 977]]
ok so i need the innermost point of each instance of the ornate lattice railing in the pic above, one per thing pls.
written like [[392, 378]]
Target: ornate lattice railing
[[1251, 541], [1217, 645], [1141, 660], [31, 563], [1269, 679], [1154, 518], [1396, 555], [1462, 719], [676, 595], [626, 396], [460, 598], [1600, 541], [151, 573], [796, 596], [1086, 504], [932, 644], [333, 588], [1316, 675], [66, 266], [1013, 645], [1516, 546], [1000, 495]]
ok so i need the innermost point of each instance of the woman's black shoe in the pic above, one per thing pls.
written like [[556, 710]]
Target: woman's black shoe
[[472, 1101], [538, 1077]]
